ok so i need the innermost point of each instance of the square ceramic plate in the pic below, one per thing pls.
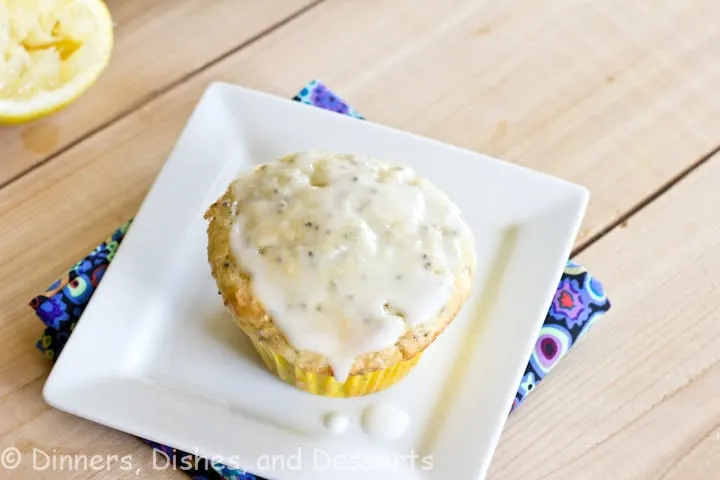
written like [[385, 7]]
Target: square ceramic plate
[[156, 355]]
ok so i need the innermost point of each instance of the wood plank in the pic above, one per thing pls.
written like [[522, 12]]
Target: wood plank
[[55, 445], [639, 107], [638, 398], [701, 461], [157, 43]]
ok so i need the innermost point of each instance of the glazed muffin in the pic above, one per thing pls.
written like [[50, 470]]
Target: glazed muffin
[[340, 269]]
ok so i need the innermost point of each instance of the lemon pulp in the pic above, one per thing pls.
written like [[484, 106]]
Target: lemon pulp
[[50, 51]]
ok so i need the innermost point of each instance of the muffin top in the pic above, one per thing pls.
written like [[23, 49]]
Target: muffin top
[[345, 253]]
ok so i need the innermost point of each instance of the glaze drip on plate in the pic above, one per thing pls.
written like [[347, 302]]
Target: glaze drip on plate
[[336, 422], [345, 252], [384, 422]]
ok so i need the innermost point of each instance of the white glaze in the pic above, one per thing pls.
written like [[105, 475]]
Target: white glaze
[[330, 241], [384, 422], [336, 422]]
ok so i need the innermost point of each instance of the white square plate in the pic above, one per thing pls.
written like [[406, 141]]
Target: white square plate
[[157, 356]]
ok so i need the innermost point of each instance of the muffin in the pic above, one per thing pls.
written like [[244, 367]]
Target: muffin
[[341, 269]]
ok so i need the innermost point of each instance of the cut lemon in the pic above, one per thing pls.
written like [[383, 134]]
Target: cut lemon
[[51, 52]]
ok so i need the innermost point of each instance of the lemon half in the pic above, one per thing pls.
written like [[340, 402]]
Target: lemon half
[[51, 51]]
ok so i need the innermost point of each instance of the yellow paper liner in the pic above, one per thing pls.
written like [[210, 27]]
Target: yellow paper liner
[[326, 385]]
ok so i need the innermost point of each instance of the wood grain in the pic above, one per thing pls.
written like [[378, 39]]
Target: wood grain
[[638, 397], [702, 459], [157, 43], [617, 96], [54, 445]]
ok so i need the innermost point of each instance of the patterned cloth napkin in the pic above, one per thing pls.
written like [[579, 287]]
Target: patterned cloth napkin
[[579, 301]]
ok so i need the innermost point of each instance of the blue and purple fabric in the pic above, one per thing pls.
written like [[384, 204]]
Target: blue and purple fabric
[[578, 303]]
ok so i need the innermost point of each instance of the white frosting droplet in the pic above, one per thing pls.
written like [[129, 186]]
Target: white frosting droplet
[[384, 422], [336, 422]]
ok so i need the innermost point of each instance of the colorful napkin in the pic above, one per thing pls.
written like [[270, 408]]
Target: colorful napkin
[[578, 303]]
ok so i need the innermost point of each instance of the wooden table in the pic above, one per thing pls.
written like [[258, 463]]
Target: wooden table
[[619, 96]]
